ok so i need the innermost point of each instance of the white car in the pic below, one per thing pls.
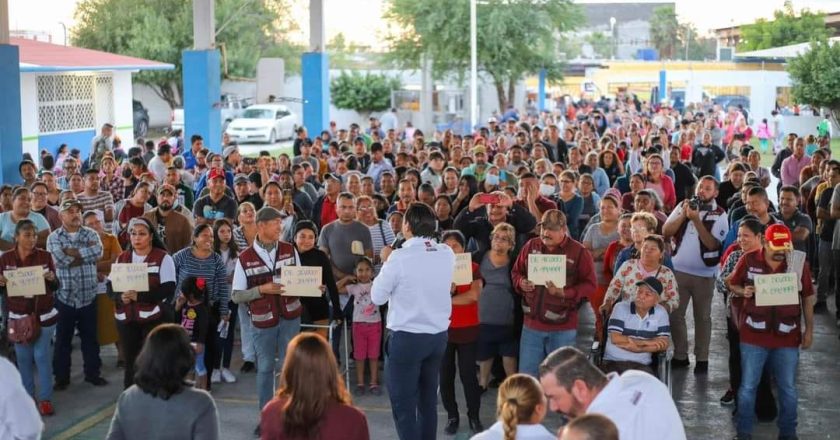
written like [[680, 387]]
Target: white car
[[264, 123]]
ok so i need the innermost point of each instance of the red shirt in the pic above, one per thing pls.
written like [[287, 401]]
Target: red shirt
[[338, 421], [768, 326], [466, 315], [328, 212], [609, 260], [685, 153]]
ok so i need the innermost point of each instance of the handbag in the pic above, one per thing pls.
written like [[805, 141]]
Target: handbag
[[27, 329]]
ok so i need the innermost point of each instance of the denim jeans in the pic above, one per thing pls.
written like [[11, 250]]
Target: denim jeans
[[412, 371], [269, 345], [37, 356], [783, 363], [246, 333], [536, 345]]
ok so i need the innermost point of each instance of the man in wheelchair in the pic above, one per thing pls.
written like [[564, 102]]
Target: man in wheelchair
[[637, 329]]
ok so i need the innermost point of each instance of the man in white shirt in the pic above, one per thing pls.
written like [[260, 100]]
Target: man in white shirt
[[635, 401], [415, 281], [19, 419]]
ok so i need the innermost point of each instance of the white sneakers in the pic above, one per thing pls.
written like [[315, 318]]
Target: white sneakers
[[222, 375], [227, 376]]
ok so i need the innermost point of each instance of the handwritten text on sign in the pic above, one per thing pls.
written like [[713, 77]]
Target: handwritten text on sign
[[543, 268], [463, 270], [779, 289], [129, 276], [26, 281], [301, 280]]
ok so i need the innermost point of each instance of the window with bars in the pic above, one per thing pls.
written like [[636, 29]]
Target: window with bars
[[66, 103]]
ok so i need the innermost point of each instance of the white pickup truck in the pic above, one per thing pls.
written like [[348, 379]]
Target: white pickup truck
[[232, 107]]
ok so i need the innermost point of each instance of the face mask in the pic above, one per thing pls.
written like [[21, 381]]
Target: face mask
[[547, 190], [491, 179]]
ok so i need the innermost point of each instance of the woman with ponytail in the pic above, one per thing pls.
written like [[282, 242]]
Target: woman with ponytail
[[520, 408]]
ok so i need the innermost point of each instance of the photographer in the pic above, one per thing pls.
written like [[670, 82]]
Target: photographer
[[697, 228]]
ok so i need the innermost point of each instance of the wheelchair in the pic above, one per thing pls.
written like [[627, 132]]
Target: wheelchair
[[660, 361]]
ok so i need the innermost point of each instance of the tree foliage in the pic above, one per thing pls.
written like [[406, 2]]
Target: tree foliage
[[364, 93], [515, 38], [160, 30], [785, 28], [816, 76], [602, 45], [678, 40]]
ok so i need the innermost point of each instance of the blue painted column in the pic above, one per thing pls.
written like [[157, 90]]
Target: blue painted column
[[663, 86], [202, 78], [315, 70], [541, 90], [11, 138]]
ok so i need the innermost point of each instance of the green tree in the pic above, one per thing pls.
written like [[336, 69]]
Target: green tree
[[602, 44], [815, 75], [515, 38], [785, 28], [365, 94], [665, 31], [160, 30]]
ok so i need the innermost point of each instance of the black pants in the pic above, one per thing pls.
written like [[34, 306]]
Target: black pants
[[225, 348], [132, 337], [211, 343], [466, 354], [70, 319], [765, 403]]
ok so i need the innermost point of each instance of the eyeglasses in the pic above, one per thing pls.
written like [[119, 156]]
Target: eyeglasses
[[566, 181]]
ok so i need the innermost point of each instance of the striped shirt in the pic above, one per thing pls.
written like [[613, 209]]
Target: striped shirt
[[102, 201], [211, 269], [381, 235], [625, 321], [78, 283]]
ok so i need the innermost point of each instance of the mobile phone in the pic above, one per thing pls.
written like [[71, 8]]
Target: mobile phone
[[489, 199], [287, 196]]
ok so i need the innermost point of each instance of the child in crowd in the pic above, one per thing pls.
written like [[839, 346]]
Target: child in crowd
[[195, 319], [764, 135], [520, 407], [367, 324]]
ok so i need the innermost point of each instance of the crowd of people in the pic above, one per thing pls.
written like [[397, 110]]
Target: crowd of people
[[651, 210]]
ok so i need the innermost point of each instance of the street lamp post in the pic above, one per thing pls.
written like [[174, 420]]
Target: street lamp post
[[612, 37], [473, 66]]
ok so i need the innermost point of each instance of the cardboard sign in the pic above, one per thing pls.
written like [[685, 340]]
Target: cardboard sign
[[463, 270], [301, 280], [543, 268], [780, 289], [129, 276], [26, 281]]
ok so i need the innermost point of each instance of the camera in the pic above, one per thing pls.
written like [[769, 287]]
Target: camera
[[696, 204]]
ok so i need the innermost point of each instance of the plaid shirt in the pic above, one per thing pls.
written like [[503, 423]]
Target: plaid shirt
[[116, 188], [78, 283]]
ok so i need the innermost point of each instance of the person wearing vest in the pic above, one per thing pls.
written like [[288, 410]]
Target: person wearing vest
[[772, 335], [137, 313], [696, 228], [551, 312], [35, 354], [256, 282]]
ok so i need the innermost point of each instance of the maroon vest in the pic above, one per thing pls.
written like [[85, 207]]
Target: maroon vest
[[267, 310], [139, 311], [43, 306], [549, 309]]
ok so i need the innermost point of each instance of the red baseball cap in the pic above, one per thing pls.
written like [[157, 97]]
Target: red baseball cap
[[778, 237], [215, 173]]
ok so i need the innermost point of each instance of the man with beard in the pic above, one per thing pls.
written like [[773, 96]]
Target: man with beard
[[638, 403], [771, 336], [797, 221], [697, 228], [173, 228], [184, 194], [216, 204]]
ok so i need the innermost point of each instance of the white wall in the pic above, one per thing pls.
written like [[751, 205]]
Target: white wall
[[29, 112], [123, 108]]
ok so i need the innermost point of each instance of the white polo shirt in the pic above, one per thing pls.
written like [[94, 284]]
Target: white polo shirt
[[626, 321], [415, 282], [640, 406]]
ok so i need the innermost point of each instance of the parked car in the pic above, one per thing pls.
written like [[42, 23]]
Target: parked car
[[141, 119], [264, 123], [725, 101], [232, 107]]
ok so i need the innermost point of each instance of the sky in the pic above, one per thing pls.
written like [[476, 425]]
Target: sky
[[360, 20]]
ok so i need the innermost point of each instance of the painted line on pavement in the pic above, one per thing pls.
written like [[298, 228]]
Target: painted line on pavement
[[86, 423]]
